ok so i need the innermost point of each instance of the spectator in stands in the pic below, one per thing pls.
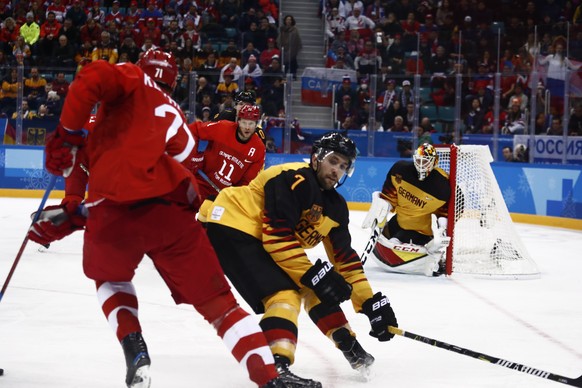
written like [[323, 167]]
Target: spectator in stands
[[334, 24], [290, 42], [273, 71], [105, 50], [392, 26], [251, 50], [396, 109], [367, 61], [575, 123], [519, 94], [439, 66], [151, 31], [60, 85], [345, 90], [229, 52], [409, 115], [507, 154], [387, 97], [229, 13], [376, 12], [347, 114], [273, 96], [171, 15], [30, 31], [151, 11], [406, 96], [555, 128], [8, 35], [361, 23], [414, 64], [210, 69], [227, 86], [363, 117], [96, 13], [350, 5], [190, 34], [115, 14], [206, 103], [34, 88], [129, 48], [253, 70], [398, 125], [204, 88], [474, 119], [411, 28], [9, 93], [72, 33], [248, 17], [26, 112], [267, 53], [521, 154], [133, 14], [541, 123], [253, 35], [268, 30], [424, 131], [63, 54], [53, 103], [394, 57], [231, 68], [91, 32], [515, 122], [76, 14], [22, 52], [355, 44]]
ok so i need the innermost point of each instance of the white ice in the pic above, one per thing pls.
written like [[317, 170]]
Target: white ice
[[53, 333]]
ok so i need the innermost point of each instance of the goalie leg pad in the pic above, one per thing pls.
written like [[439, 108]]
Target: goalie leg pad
[[395, 256]]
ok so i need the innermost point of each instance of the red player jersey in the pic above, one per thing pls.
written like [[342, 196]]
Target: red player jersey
[[140, 137], [227, 161]]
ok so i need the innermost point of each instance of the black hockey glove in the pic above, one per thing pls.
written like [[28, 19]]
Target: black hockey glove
[[329, 286], [381, 315]]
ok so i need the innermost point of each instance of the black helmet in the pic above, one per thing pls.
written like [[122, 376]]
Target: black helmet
[[245, 96], [336, 142]]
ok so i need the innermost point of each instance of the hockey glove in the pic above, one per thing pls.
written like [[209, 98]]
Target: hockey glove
[[328, 285], [378, 211], [61, 150], [381, 315], [56, 222]]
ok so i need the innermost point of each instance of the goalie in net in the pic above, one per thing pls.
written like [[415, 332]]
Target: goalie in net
[[477, 237], [416, 193]]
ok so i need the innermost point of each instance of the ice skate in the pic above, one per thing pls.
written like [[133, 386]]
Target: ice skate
[[289, 379], [137, 360], [275, 383], [358, 358]]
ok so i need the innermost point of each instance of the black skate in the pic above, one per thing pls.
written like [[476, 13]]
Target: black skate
[[289, 379], [137, 360], [275, 383], [358, 358]]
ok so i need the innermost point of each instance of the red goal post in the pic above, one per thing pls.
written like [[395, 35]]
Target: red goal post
[[484, 241]]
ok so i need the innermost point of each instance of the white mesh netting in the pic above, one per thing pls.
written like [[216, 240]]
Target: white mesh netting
[[485, 241]]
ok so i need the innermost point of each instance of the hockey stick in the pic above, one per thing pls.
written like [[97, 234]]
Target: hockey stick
[[576, 382], [49, 188], [205, 177], [376, 232]]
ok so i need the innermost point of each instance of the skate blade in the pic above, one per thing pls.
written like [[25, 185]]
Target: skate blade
[[142, 378], [366, 372]]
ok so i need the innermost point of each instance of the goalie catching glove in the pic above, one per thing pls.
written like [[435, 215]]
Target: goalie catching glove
[[328, 285], [56, 222], [378, 211], [381, 315]]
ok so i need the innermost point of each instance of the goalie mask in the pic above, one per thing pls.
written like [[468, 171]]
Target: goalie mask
[[336, 142], [425, 160]]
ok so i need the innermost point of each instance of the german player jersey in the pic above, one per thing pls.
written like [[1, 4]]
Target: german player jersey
[[286, 209], [140, 136], [227, 161], [414, 200]]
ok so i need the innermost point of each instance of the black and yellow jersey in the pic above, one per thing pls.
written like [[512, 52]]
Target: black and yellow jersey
[[286, 209], [414, 200]]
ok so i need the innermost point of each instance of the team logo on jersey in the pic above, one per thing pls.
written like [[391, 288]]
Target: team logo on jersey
[[398, 178], [314, 213]]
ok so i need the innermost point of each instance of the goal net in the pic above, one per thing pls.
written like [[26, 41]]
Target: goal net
[[483, 238]]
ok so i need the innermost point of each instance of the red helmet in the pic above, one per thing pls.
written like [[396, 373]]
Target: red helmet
[[249, 112], [160, 66]]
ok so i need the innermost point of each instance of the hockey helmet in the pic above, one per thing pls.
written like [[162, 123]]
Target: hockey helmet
[[160, 66], [425, 160], [249, 112], [246, 97], [336, 142]]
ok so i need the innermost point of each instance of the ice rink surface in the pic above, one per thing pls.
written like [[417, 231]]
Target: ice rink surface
[[54, 335]]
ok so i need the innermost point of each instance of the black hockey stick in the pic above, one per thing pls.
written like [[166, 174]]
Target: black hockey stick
[[376, 231], [205, 177], [576, 382], [49, 188]]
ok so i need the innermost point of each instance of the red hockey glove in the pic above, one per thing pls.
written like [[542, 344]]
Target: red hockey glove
[[56, 222], [61, 149], [381, 315], [329, 286]]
